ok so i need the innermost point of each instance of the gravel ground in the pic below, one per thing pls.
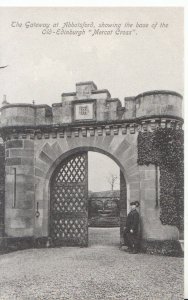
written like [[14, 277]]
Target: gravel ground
[[100, 271]]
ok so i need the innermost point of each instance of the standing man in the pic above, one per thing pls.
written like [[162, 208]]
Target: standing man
[[131, 231]]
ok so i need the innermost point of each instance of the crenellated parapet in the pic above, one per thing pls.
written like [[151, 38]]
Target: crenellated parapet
[[92, 112], [90, 104]]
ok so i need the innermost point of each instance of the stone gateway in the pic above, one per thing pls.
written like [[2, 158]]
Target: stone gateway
[[44, 197]]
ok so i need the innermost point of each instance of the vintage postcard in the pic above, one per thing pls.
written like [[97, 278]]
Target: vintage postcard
[[92, 153]]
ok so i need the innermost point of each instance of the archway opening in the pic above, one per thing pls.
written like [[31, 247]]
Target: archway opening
[[106, 185], [88, 200]]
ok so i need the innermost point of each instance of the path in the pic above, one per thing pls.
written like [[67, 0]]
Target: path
[[100, 271]]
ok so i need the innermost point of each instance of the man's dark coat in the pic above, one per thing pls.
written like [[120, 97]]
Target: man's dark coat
[[132, 221], [131, 239]]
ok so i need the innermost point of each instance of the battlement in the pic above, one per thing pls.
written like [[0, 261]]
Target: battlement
[[89, 104]]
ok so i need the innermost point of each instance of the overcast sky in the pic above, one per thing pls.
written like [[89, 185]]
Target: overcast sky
[[41, 67]]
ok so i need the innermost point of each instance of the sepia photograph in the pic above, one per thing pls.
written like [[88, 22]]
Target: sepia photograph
[[92, 153]]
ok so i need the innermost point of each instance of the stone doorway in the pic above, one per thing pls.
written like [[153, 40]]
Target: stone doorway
[[69, 203]]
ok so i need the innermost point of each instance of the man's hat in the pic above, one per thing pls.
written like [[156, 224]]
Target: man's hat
[[135, 203]]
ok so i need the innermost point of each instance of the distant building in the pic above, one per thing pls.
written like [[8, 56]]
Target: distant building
[[104, 208]]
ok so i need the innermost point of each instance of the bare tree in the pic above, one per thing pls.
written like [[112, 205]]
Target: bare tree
[[112, 180]]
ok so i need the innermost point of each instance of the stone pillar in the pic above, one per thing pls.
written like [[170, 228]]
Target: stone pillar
[[123, 205], [19, 194], [156, 238]]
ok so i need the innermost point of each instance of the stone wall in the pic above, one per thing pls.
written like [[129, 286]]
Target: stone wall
[[20, 187], [149, 211], [38, 137], [158, 103], [123, 206]]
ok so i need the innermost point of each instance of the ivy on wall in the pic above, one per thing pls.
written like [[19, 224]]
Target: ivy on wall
[[164, 147]]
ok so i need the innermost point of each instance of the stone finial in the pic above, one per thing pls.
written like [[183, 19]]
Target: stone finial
[[4, 100]]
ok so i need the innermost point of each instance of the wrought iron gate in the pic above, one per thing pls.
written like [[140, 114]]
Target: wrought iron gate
[[68, 205]]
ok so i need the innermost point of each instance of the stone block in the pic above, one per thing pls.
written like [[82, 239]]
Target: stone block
[[9, 194], [30, 170], [30, 196], [14, 144], [39, 173], [26, 203], [148, 184], [147, 168], [126, 154], [131, 161], [75, 142], [46, 211], [134, 177], [45, 227], [22, 187], [42, 230], [134, 195], [41, 165], [38, 193], [24, 200], [21, 152], [122, 147], [29, 185], [28, 144], [48, 150], [9, 178], [44, 157], [27, 161], [20, 197], [19, 232], [133, 169], [13, 161], [154, 229], [15, 213], [56, 149], [20, 223], [23, 178], [20, 169], [43, 202], [134, 185], [146, 205], [148, 195], [38, 232], [147, 174]]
